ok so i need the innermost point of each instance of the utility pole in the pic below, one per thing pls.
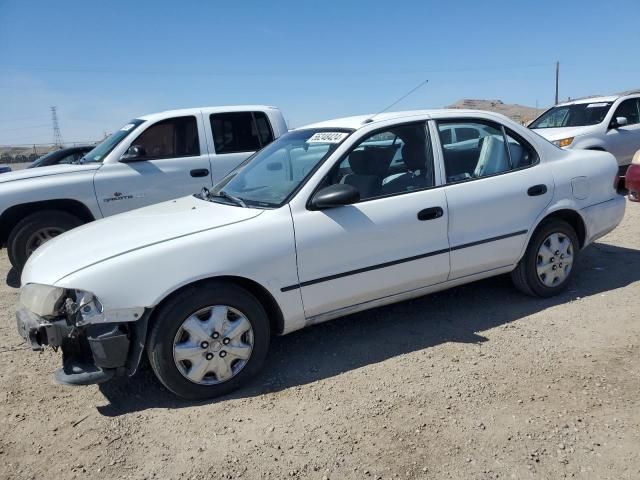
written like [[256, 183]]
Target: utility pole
[[557, 80], [57, 136]]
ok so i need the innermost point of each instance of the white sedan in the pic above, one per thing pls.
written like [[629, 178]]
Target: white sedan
[[329, 219]]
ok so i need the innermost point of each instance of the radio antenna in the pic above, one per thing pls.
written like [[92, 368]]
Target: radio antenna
[[417, 87]]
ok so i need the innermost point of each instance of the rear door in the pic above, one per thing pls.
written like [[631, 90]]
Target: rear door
[[233, 137], [496, 189], [173, 162]]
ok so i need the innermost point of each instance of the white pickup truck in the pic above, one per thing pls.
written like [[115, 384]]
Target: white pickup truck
[[150, 159]]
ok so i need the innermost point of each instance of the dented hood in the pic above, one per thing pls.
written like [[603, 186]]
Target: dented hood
[[107, 238]]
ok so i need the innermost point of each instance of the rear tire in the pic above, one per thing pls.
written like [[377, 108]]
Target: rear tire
[[187, 345], [34, 230], [549, 261]]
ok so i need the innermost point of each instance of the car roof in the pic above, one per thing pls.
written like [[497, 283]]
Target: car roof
[[600, 98], [361, 121], [207, 110]]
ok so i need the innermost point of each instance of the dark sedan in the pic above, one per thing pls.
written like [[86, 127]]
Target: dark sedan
[[64, 155]]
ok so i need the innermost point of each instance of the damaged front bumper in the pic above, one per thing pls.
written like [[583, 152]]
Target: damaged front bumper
[[92, 353]]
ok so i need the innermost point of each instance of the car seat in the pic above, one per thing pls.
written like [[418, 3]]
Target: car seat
[[369, 166], [493, 157]]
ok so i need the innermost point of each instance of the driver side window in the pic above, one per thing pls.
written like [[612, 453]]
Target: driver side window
[[393, 161], [171, 138], [629, 110]]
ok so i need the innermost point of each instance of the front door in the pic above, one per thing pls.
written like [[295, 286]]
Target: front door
[[392, 241], [624, 141], [172, 162]]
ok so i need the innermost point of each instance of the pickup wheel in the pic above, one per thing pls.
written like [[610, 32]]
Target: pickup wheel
[[35, 230], [208, 340], [548, 263]]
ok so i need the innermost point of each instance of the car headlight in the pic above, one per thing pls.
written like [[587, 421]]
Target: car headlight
[[565, 142], [43, 300], [47, 301]]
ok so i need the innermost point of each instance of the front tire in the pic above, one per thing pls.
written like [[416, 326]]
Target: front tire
[[208, 340], [34, 230], [549, 262]]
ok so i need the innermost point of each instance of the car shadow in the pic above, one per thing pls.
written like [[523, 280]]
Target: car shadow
[[13, 278], [351, 342]]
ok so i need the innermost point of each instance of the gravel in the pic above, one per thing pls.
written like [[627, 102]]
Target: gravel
[[474, 383]]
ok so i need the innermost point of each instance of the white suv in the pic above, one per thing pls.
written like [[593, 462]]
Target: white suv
[[611, 124]]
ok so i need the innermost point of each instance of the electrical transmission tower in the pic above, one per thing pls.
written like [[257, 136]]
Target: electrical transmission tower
[[57, 136]]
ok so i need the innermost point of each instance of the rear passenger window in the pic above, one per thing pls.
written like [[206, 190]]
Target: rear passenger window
[[483, 149], [171, 138], [240, 131]]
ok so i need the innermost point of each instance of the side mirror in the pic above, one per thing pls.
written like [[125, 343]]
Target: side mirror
[[335, 196], [134, 153], [619, 122]]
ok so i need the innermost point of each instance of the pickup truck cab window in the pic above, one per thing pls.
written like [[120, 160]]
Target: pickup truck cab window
[[170, 138], [240, 131]]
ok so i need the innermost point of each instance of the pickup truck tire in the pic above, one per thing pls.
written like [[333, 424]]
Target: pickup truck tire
[[549, 261], [34, 230], [193, 332]]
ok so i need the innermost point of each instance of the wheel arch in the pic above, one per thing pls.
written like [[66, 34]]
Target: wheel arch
[[266, 299], [12, 215], [572, 217]]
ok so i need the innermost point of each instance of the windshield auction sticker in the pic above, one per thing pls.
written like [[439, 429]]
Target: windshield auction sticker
[[596, 105], [327, 137], [127, 127]]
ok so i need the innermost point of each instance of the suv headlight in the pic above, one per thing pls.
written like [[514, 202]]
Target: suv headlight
[[565, 142], [43, 300]]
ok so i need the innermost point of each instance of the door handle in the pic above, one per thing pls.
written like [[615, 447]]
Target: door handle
[[199, 172], [537, 190], [430, 213]]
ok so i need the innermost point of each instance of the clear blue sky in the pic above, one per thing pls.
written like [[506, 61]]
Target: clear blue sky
[[102, 63]]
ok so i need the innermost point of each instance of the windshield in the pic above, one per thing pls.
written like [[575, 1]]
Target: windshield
[[275, 172], [578, 115], [109, 143]]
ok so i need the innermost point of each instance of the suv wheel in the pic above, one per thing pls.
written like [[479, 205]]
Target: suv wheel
[[34, 230], [208, 340], [548, 263]]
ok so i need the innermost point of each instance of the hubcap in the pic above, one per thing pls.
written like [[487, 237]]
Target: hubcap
[[199, 353], [555, 259], [39, 237]]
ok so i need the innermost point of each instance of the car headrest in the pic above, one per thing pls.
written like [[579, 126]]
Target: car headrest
[[371, 161], [414, 156]]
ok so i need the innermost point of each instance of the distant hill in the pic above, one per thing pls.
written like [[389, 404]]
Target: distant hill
[[519, 113]]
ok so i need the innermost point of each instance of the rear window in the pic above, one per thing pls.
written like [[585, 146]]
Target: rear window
[[236, 132]]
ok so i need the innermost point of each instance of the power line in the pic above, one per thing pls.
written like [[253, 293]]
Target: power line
[[24, 128], [31, 144], [191, 71], [19, 119]]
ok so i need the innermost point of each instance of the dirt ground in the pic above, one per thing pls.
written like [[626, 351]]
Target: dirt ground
[[477, 382]]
